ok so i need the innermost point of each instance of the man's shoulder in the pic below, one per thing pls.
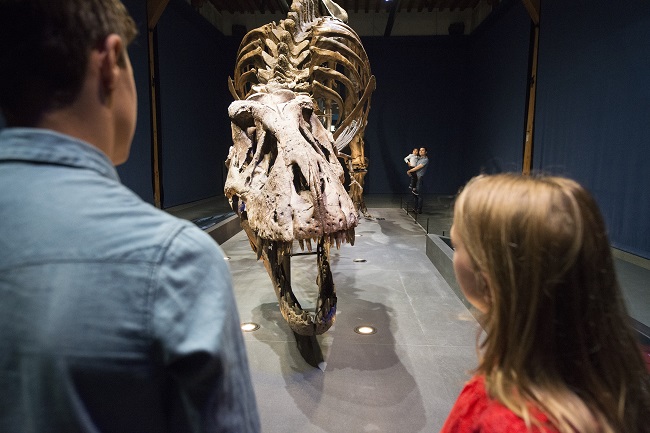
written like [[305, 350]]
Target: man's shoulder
[[153, 229], [105, 221]]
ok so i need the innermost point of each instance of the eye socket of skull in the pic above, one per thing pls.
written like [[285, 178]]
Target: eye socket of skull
[[307, 112], [244, 132], [243, 118]]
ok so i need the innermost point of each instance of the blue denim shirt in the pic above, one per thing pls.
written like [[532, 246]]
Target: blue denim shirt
[[114, 316]]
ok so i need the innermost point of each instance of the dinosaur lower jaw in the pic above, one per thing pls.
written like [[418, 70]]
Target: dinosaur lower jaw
[[305, 322], [276, 256]]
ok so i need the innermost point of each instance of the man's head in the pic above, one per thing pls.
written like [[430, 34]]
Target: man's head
[[423, 151], [45, 47]]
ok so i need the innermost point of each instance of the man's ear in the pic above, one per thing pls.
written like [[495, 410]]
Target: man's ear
[[110, 68]]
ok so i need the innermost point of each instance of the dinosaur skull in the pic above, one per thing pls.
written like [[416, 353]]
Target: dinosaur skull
[[285, 181]]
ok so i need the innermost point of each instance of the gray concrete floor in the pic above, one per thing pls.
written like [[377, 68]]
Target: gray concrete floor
[[404, 378]]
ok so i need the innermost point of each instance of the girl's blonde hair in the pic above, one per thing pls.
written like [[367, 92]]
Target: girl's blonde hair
[[558, 337]]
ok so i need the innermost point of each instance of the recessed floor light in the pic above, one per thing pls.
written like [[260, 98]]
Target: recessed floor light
[[365, 330], [359, 260], [249, 327]]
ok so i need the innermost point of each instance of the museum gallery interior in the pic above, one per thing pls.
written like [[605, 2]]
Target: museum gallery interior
[[487, 86]]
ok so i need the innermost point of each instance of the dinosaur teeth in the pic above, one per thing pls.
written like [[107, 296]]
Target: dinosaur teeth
[[336, 238]]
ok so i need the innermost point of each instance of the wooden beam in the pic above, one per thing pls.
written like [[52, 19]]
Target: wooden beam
[[271, 5], [244, 6], [391, 17], [454, 4], [284, 6], [530, 118], [155, 9], [259, 5], [532, 6], [156, 149]]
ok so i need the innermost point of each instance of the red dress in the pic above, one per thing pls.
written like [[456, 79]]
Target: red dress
[[475, 412]]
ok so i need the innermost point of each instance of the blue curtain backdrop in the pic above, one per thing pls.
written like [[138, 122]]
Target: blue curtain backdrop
[[137, 172], [496, 91], [464, 98], [418, 102], [593, 108], [194, 63]]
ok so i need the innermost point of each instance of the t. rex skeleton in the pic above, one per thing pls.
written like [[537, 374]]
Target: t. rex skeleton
[[294, 83]]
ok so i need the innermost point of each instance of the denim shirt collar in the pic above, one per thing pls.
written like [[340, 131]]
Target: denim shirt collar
[[50, 147]]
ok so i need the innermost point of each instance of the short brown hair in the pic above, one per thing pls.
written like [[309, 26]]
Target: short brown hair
[[44, 48]]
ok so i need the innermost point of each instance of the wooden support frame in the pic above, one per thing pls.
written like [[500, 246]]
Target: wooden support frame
[[391, 18], [533, 10], [155, 116], [530, 118], [155, 9], [532, 6]]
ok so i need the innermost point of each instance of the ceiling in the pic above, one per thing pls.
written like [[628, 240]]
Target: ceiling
[[367, 17], [356, 6]]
